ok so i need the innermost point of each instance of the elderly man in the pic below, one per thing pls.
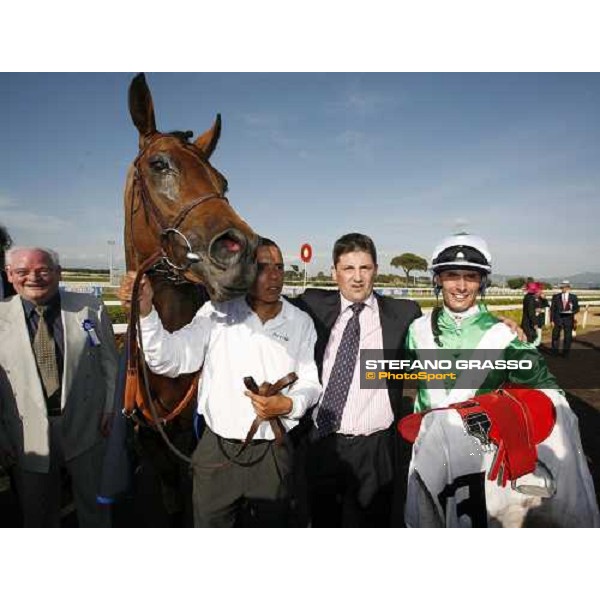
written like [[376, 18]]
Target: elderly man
[[57, 374]]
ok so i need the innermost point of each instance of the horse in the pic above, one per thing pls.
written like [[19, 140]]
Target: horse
[[181, 230]]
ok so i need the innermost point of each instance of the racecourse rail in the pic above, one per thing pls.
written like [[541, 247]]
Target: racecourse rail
[[97, 288]]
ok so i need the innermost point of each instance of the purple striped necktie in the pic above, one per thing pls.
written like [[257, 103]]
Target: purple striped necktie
[[336, 393]]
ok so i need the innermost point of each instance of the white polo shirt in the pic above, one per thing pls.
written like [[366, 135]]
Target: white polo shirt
[[231, 342]]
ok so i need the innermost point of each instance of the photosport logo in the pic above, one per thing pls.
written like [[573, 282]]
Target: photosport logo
[[474, 369], [464, 369]]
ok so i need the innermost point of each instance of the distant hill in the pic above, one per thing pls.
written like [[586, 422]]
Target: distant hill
[[586, 280]]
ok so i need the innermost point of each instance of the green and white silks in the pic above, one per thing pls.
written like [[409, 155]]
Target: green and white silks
[[490, 339]]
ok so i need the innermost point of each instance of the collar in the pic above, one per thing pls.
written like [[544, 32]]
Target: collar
[[53, 306], [462, 316], [283, 314], [370, 302]]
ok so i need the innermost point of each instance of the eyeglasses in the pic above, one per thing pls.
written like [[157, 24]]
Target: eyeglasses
[[24, 273]]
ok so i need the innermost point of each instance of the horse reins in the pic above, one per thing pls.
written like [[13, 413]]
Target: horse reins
[[266, 389], [136, 347], [135, 343]]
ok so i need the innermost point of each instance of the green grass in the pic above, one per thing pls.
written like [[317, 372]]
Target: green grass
[[83, 277], [515, 315], [117, 314]]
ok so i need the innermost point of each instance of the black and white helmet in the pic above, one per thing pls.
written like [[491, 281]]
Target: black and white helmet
[[462, 251]]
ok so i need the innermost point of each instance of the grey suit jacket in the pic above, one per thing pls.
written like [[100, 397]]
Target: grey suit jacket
[[88, 382]]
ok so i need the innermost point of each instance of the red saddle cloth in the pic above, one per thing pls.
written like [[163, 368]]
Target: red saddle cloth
[[515, 419]]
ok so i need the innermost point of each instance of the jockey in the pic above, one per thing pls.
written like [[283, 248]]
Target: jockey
[[502, 426]]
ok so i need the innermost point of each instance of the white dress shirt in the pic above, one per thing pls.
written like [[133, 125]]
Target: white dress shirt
[[366, 410], [231, 341]]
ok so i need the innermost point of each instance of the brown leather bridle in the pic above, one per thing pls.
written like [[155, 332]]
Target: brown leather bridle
[[137, 395], [165, 227]]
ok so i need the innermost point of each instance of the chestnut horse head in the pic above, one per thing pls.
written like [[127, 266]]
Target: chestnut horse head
[[178, 219], [175, 201]]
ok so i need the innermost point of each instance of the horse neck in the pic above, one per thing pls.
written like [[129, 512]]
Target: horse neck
[[176, 304]]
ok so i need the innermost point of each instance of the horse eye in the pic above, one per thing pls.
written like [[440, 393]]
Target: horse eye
[[158, 164]]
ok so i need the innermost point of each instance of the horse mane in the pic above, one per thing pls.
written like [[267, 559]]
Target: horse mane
[[184, 136]]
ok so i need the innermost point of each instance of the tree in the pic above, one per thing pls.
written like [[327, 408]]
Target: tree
[[322, 276], [292, 275], [409, 262], [515, 283]]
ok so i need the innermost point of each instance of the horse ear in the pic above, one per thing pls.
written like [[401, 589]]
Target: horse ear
[[141, 107], [207, 142]]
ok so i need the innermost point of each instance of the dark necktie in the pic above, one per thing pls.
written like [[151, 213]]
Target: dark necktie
[[336, 393], [45, 353]]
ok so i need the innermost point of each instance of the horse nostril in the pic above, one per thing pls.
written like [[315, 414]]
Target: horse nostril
[[227, 248], [231, 245]]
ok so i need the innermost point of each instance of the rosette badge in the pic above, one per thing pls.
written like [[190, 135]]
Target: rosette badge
[[90, 329]]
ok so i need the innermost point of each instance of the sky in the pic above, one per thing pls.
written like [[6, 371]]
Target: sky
[[406, 158]]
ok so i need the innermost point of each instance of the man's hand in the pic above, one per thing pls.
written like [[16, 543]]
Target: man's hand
[[145, 295], [106, 423], [271, 406], [512, 325]]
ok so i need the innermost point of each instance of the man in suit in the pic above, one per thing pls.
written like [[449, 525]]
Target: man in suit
[[563, 309], [529, 321], [6, 288], [354, 461], [57, 374]]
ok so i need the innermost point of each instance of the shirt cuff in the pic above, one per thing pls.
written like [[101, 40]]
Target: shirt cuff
[[298, 406]]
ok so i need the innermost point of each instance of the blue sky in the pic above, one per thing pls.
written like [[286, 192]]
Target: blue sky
[[405, 158]]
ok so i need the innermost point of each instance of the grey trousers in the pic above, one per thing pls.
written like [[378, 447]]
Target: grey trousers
[[252, 491], [40, 493]]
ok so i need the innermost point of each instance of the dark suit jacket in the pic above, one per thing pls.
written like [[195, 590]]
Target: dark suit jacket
[[9, 290], [529, 319], [557, 307], [324, 307]]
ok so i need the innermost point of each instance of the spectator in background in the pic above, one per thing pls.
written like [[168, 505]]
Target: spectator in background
[[6, 288], [563, 309], [529, 318], [541, 303]]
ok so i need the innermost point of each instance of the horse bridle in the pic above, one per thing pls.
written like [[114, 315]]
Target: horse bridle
[[174, 272], [166, 228]]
